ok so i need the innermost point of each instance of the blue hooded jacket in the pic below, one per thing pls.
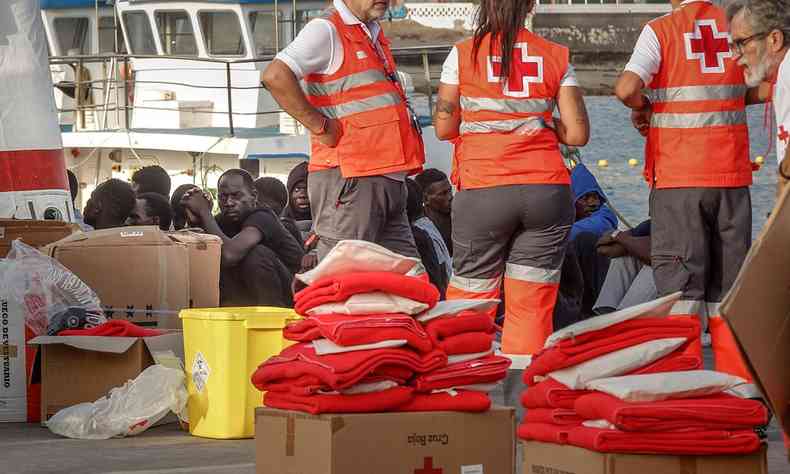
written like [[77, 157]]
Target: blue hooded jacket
[[601, 221]]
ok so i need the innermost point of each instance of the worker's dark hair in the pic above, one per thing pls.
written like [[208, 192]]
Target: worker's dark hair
[[249, 183], [158, 205], [74, 185], [272, 192], [430, 176], [152, 179], [503, 20], [118, 196], [413, 200]]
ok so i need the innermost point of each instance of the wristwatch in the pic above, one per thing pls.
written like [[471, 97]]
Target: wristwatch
[[615, 233]]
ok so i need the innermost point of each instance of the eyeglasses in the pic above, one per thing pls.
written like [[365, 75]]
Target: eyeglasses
[[737, 46]]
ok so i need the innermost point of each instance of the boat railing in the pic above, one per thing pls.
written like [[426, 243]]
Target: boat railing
[[118, 80]]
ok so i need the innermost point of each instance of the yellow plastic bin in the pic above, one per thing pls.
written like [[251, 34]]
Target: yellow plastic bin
[[222, 348]]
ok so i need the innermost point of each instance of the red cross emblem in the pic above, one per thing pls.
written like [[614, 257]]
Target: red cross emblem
[[708, 45], [427, 468], [783, 135], [524, 69]]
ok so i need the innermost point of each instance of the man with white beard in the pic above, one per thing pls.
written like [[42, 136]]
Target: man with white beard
[[760, 38]]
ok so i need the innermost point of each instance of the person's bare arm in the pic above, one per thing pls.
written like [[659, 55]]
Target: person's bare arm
[[573, 125], [629, 90], [447, 112], [638, 247], [281, 82], [760, 94]]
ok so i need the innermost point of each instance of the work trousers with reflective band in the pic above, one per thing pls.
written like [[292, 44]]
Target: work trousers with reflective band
[[700, 237], [517, 232]]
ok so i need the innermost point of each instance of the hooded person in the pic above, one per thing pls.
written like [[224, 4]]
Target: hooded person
[[298, 207], [592, 212]]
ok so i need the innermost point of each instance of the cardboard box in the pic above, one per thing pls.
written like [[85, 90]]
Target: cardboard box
[[545, 458], [34, 233], [77, 369], [205, 252], [288, 442], [15, 362], [757, 310], [143, 274]]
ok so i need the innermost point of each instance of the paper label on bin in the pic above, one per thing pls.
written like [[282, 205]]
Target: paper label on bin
[[200, 372], [472, 469]]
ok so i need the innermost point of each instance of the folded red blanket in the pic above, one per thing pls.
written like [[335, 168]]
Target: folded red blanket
[[467, 321], [339, 371], [545, 432], [678, 361], [113, 328], [550, 394], [686, 442], [346, 330], [465, 343], [376, 402], [584, 347], [488, 369], [461, 400], [715, 412], [340, 287], [310, 384], [555, 416]]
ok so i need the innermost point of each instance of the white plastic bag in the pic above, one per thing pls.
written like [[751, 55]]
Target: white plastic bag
[[52, 297], [375, 302], [616, 363], [355, 256], [666, 385], [129, 410]]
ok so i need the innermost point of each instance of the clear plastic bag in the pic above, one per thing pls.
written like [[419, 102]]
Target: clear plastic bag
[[52, 296], [128, 410]]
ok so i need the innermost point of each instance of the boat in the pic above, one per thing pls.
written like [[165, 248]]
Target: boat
[[177, 84]]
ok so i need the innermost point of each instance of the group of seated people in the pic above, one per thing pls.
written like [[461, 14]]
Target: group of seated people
[[264, 224]]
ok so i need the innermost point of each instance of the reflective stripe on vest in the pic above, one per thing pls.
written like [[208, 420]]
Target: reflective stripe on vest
[[357, 106], [475, 285], [493, 126], [512, 106], [691, 93], [345, 83], [698, 120]]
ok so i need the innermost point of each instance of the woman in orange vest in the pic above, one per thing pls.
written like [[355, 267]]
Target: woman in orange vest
[[514, 208]]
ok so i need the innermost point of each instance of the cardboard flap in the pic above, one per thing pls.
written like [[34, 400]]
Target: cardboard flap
[[194, 239], [115, 237], [757, 310], [171, 342], [115, 345]]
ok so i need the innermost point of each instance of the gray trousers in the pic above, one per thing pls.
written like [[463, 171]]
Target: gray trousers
[[629, 282], [699, 237], [371, 208]]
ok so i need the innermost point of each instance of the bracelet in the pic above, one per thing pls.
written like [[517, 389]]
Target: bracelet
[[614, 234]]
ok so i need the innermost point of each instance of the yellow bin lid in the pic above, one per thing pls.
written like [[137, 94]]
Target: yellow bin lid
[[259, 317]]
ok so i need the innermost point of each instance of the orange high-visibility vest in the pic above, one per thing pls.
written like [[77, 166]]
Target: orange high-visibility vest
[[698, 135], [365, 96], [505, 135]]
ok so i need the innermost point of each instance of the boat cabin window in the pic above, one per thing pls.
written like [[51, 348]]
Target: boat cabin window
[[72, 34], [222, 33], [262, 27], [304, 16], [108, 35], [176, 34], [138, 30]]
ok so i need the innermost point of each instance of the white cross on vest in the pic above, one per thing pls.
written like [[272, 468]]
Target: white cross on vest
[[708, 45], [524, 69]]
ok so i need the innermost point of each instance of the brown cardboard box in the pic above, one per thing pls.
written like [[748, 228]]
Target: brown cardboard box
[[139, 273], [204, 258], [77, 369], [34, 233], [544, 458], [758, 310], [288, 442]]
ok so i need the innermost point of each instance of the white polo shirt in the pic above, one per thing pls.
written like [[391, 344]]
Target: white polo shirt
[[317, 49], [646, 58], [781, 102]]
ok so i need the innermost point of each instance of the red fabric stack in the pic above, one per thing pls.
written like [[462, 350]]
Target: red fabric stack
[[467, 337], [372, 362], [713, 424]]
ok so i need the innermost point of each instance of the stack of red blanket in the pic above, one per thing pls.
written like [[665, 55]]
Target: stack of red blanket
[[464, 332], [701, 423]]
